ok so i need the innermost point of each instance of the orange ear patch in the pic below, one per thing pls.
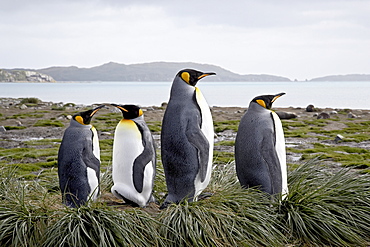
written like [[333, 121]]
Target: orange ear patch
[[80, 120], [185, 76], [261, 103]]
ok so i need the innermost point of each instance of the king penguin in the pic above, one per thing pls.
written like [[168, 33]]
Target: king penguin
[[260, 157], [79, 160], [187, 138], [134, 158]]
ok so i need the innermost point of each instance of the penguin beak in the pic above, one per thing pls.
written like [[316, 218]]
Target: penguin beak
[[276, 96], [206, 74], [96, 110], [120, 107]]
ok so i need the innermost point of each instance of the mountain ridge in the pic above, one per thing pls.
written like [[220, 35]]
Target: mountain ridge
[[348, 77], [154, 71]]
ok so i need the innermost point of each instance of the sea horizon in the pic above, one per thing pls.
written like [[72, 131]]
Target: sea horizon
[[352, 95]]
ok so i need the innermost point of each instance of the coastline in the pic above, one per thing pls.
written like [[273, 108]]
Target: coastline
[[26, 124]]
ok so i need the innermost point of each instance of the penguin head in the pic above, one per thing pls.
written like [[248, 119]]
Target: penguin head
[[85, 117], [129, 111], [266, 100], [191, 76]]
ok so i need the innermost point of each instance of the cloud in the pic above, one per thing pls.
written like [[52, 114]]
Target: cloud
[[298, 39]]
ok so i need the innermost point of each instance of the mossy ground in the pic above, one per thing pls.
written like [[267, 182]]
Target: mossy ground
[[30, 152]]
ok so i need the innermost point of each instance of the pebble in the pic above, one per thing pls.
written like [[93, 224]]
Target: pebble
[[310, 108], [105, 133], [338, 138], [23, 107], [351, 115], [323, 115]]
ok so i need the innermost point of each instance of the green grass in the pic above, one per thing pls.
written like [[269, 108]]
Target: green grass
[[98, 225], [47, 123], [25, 116], [30, 101], [225, 143], [226, 125], [347, 156], [322, 209], [155, 126], [356, 130], [222, 157], [326, 209], [14, 127]]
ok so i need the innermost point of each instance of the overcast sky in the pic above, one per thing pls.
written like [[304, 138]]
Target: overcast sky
[[298, 39]]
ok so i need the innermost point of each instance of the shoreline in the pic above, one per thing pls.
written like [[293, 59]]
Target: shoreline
[[41, 125], [16, 100]]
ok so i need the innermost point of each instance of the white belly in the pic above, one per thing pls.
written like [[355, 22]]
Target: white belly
[[93, 183], [96, 148], [280, 150], [127, 146], [208, 131]]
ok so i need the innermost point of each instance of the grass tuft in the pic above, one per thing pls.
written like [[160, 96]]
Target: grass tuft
[[328, 208], [97, 225]]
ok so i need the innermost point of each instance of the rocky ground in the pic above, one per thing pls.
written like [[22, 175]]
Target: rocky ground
[[22, 122]]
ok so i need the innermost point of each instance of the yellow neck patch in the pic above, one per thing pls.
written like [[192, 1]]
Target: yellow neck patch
[[80, 120], [185, 76], [261, 103]]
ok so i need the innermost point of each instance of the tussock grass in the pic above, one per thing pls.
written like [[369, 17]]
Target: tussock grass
[[98, 225], [327, 208], [323, 208], [24, 212]]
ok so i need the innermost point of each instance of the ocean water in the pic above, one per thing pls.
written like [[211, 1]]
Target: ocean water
[[353, 95]]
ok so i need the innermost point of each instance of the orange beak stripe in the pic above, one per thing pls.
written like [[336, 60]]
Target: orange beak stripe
[[123, 109]]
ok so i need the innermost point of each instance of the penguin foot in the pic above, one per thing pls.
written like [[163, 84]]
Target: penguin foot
[[153, 199], [205, 195], [127, 201], [165, 205]]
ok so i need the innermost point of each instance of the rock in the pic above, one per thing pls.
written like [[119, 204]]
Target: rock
[[2, 129], [23, 107], [19, 123], [323, 115], [333, 113], [351, 115], [338, 138], [310, 108], [69, 117], [286, 115], [105, 133]]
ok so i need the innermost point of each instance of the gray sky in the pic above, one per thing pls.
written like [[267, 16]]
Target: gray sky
[[299, 39]]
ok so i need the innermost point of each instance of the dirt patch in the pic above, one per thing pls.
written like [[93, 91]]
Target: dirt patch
[[335, 126]]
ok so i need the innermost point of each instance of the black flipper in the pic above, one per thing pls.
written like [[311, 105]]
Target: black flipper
[[196, 137], [144, 158]]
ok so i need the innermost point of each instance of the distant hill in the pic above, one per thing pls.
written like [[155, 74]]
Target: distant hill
[[351, 77], [156, 71], [23, 76]]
